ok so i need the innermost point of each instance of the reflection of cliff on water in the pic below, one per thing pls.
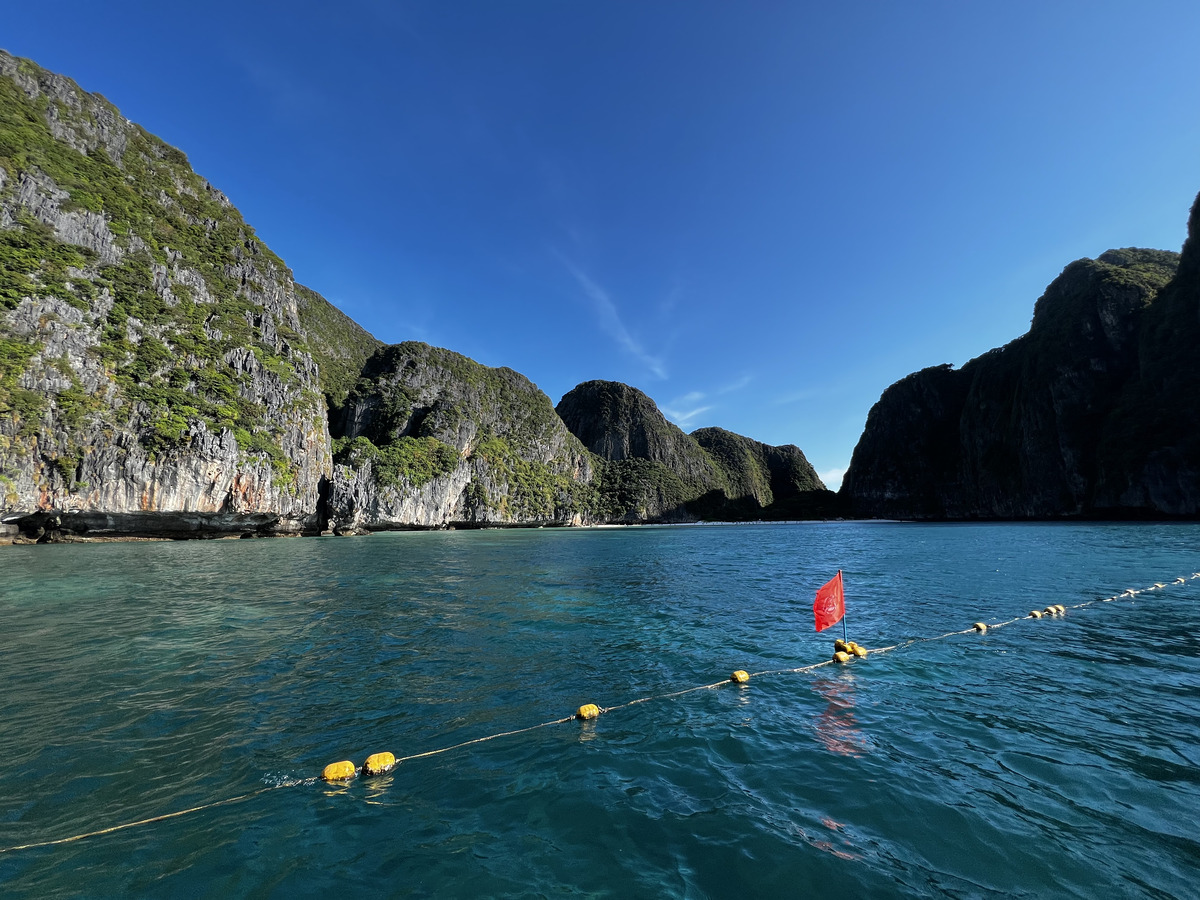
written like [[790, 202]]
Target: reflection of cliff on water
[[836, 727]]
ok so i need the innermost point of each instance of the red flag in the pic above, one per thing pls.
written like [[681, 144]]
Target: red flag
[[830, 605]]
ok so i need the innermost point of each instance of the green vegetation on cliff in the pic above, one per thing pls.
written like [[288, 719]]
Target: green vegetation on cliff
[[34, 264], [164, 345], [635, 490], [340, 346], [742, 462], [523, 464], [23, 406], [533, 489], [651, 470], [405, 462]]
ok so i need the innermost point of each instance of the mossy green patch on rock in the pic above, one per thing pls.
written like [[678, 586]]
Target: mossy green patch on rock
[[406, 462]]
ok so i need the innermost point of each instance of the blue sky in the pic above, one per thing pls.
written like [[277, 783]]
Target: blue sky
[[761, 214]]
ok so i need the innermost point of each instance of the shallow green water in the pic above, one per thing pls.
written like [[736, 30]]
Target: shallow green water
[[1049, 758]]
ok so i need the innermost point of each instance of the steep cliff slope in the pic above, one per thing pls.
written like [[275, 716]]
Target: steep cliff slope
[[1041, 427], [652, 471], [1149, 448], [154, 375], [339, 345], [763, 481], [428, 437]]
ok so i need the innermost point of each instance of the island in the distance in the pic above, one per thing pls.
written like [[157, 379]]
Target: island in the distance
[[162, 375]]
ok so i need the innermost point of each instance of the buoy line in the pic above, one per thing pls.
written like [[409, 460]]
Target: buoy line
[[381, 763]]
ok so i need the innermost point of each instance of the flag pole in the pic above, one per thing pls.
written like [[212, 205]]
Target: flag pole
[[844, 637]]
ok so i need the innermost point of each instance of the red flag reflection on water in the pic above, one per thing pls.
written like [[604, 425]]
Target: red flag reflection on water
[[836, 727], [830, 605]]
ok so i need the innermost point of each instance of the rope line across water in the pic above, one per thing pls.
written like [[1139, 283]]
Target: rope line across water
[[1128, 594], [171, 815]]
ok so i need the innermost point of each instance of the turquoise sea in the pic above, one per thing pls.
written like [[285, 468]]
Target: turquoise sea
[[1050, 758]]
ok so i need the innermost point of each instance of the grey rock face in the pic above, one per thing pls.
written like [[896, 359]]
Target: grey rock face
[[90, 121], [75, 437], [652, 471], [1018, 432], [41, 197], [618, 422], [505, 457]]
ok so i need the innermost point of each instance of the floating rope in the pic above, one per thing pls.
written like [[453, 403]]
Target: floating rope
[[381, 763], [150, 821]]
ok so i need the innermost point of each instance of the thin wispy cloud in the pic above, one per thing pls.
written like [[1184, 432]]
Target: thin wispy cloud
[[735, 385], [671, 300], [610, 319], [684, 410]]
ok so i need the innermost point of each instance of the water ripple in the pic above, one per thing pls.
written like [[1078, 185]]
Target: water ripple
[[1048, 758]]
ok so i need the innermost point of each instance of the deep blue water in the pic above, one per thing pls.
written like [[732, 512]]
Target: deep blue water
[[1050, 758]]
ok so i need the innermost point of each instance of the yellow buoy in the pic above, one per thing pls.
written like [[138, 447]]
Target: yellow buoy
[[740, 676], [1036, 614], [339, 771], [840, 646], [1050, 611], [858, 651], [980, 627], [379, 764], [588, 711], [1061, 609], [842, 656]]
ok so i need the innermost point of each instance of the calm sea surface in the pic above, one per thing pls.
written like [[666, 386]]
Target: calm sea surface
[[1051, 758]]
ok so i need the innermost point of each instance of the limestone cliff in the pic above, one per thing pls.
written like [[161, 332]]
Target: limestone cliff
[[1082, 416], [652, 471], [1149, 447], [763, 481], [162, 374], [153, 373], [428, 437]]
